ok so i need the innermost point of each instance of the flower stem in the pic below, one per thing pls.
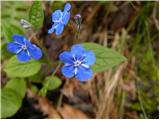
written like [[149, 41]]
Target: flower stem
[[44, 89], [77, 35], [46, 55], [56, 69], [61, 95]]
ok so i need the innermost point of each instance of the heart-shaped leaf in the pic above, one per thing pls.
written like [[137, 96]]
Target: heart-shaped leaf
[[105, 57]]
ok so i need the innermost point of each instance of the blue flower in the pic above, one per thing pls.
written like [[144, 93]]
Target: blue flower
[[77, 63], [24, 49], [60, 19]]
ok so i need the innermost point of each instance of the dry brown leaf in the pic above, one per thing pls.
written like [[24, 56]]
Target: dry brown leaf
[[44, 105], [68, 112], [68, 90], [48, 108], [75, 92]]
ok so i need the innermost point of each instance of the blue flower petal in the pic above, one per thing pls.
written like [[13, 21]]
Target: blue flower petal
[[67, 7], [59, 29], [66, 57], [65, 18], [68, 71], [35, 52], [27, 43], [18, 38], [77, 51], [56, 15], [13, 47], [23, 56], [89, 58], [83, 73], [51, 30]]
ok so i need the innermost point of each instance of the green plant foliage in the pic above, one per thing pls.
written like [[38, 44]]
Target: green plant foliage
[[105, 57], [12, 96], [53, 82], [11, 15], [15, 68], [34, 88], [10, 102], [13, 11], [37, 78], [7, 31], [11, 29], [18, 85], [36, 14], [50, 83]]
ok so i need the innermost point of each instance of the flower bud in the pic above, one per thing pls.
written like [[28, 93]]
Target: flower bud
[[78, 20]]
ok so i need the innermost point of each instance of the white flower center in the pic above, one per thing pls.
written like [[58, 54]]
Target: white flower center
[[24, 47], [77, 63], [60, 20]]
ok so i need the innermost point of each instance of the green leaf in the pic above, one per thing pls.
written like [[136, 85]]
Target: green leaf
[[105, 57], [10, 102], [12, 96], [15, 68], [34, 88], [36, 14], [18, 85], [52, 82], [10, 29], [43, 91], [37, 78]]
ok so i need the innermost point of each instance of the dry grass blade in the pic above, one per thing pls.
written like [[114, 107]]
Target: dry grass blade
[[107, 102]]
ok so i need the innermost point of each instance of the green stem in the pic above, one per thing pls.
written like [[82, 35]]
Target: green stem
[[44, 89], [141, 104], [140, 100], [61, 95], [60, 100], [78, 33], [122, 105], [46, 55]]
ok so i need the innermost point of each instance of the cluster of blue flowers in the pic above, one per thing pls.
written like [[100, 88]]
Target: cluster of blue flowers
[[77, 62]]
